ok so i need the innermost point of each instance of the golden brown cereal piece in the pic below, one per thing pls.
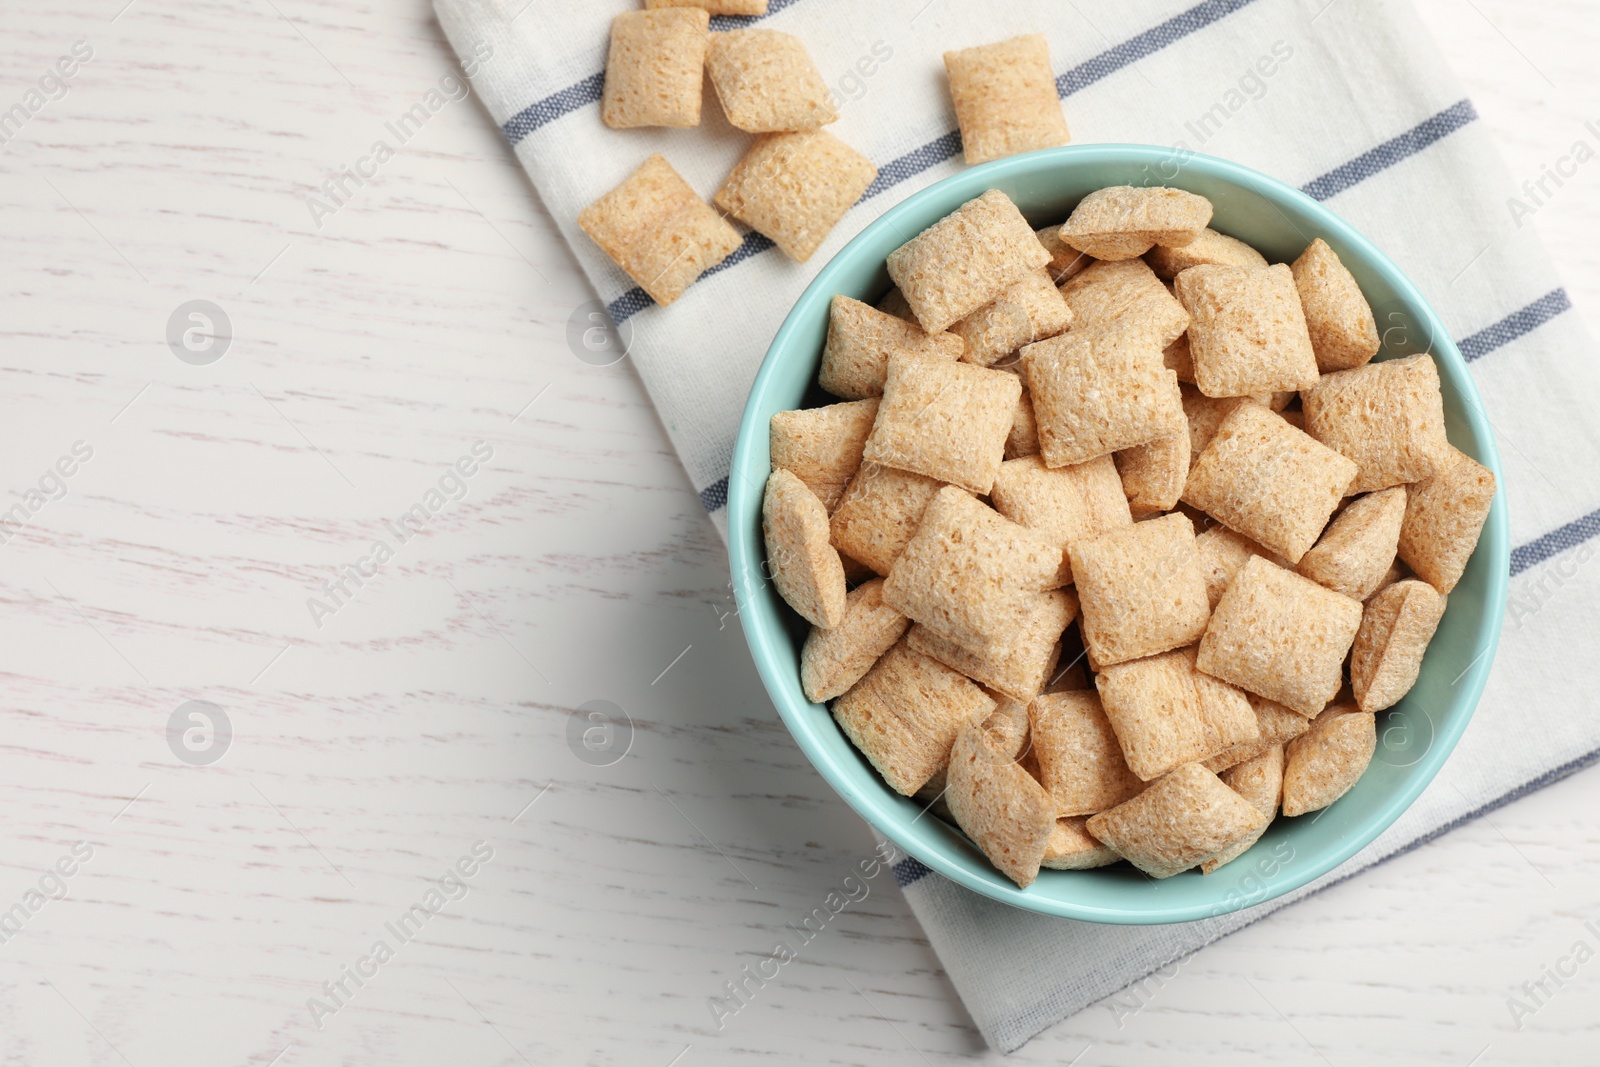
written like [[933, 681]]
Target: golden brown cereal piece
[[1343, 332], [878, 514], [967, 574], [1280, 636], [1023, 440], [1141, 590], [823, 445], [795, 187], [1179, 360], [832, 661], [1065, 261], [946, 420], [1222, 553], [999, 805], [861, 341], [1080, 761], [1278, 726], [1395, 630], [1020, 670], [767, 82], [1444, 516], [1153, 475], [1246, 331], [894, 303], [1166, 713], [1260, 781], [1062, 504], [1397, 572], [1323, 763], [654, 68], [1072, 848], [1388, 417], [1095, 393], [1125, 296], [1204, 414], [715, 7], [805, 568], [1124, 221], [1358, 547], [1183, 819], [1209, 247], [1005, 98], [1030, 310], [965, 260], [1007, 727], [1269, 481], [656, 229], [905, 714]]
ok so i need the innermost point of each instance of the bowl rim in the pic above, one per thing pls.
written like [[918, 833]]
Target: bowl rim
[[745, 551]]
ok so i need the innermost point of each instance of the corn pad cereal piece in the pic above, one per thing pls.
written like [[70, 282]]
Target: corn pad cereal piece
[[654, 68], [1444, 518], [805, 567], [862, 340], [1338, 317], [1140, 589], [1066, 262], [1154, 474], [657, 230], [1124, 221], [945, 420], [795, 187], [831, 661], [1259, 780], [1269, 481], [1166, 713], [1247, 331], [904, 715], [1222, 553], [967, 574], [878, 514], [1180, 821], [1209, 247], [767, 82], [1023, 440], [1358, 547], [1388, 417], [1125, 296], [1280, 636], [1096, 393], [1071, 847], [1396, 626], [822, 446], [965, 260], [1080, 760], [1323, 763], [1030, 310], [1005, 98], [999, 805], [1278, 726], [1204, 415], [1062, 504], [714, 7], [1020, 670]]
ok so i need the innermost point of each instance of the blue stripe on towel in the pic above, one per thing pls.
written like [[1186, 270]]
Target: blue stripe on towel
[[1514, 325], [1391, 151]]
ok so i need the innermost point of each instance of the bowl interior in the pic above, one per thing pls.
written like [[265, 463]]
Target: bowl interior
[[1415, 737]]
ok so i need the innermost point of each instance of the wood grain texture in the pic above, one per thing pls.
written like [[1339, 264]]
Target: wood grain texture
[[433, 711]]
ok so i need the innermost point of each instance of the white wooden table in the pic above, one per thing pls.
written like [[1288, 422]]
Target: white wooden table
[[421, 719]]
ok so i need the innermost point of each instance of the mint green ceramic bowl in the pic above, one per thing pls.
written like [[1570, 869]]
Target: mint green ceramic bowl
[[1415, 737]]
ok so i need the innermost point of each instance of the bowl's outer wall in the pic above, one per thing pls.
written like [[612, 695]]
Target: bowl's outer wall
[[1415, 737]]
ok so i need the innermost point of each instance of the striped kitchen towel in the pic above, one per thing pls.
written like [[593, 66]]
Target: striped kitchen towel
[[1346, 99]]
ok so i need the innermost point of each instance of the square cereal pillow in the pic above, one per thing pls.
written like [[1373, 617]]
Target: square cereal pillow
[[822, 446], [1166, 713], [1140, 589], [1247, 331], [767, 82], [1444, 517], [795, 187], [1028, 311], [861, 341], [1182, 820], [1125, 295], [878, 514], [1210, 247], [1062, 504], [965, 260], [1126, 221], [1095, 393], [1021, 670], [1005, 98], [1343, 332], [656, 229], [948, 421], [805, 568], [1080, 761], [654, 68], [1388, 417]]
